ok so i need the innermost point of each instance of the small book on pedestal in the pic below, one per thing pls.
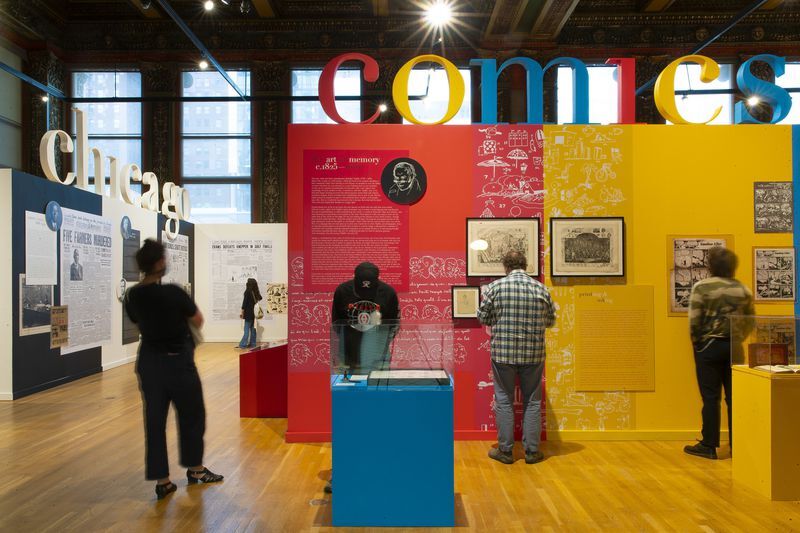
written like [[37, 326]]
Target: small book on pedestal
[[780, 369]]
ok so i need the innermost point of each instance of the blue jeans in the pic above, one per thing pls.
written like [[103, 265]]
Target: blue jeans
[[530, 384], [249, 333]]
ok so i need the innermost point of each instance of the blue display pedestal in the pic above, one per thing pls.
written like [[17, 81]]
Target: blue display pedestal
[[392, 455]]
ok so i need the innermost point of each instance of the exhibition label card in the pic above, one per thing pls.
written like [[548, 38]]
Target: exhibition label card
[[614, 339]]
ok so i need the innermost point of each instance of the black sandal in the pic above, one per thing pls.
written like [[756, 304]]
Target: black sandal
[[207, 476], [163, 489]]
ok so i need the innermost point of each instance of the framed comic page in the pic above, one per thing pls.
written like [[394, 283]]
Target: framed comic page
[[687, 263], [587, 246], [773, 203], [465, 301], [488, 240], [774, 274]]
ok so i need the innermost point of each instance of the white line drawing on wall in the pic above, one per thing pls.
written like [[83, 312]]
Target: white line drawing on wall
[[595, 157], [491, 130], [428, 267], [487, 147], [518, 189], [517, 138], [301, 355], [494, 163], [517, 155]]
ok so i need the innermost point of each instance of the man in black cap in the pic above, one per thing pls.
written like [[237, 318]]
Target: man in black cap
[[359, 304]]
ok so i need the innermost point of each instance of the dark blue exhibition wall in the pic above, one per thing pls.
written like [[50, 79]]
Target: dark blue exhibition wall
[[35, 365]]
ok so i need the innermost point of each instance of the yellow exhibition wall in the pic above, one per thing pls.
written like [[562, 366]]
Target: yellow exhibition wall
[[665, 180]]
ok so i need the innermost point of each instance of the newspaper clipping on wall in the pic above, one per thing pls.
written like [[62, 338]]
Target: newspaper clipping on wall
[[232, 263], [86, 286], [177, 251], [41, 265]]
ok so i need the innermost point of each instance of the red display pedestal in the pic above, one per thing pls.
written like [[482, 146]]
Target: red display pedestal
[[263, 374]]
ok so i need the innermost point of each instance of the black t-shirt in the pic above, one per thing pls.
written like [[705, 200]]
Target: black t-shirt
[[354, 352], [161, 312]]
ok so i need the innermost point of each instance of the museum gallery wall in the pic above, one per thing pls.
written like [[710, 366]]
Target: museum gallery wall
[[86, 265], [655, 197]]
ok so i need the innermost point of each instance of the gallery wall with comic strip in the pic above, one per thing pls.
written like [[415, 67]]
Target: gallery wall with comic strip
[[226, 256], [71, 256], [619, 217]]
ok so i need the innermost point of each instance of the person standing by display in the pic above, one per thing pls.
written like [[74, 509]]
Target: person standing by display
[[251, 296], [711, 302], [519, 309], [167, 372]]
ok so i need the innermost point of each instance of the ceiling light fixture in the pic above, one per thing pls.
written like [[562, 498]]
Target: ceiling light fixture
[[438, 13], [209, 5], [753, 101], [245, 6], [203, 64], [225, 2], [382, 108], [45, 98]]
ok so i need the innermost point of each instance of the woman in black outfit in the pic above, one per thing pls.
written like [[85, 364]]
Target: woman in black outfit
[[166, 369], [251, 296]]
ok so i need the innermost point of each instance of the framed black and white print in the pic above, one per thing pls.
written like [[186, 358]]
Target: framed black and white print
[[773, 207], [489, 239], [587, 246], [774, 274], [465, 301]]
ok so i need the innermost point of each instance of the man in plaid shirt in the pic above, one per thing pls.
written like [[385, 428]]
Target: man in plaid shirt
[[518, 308]]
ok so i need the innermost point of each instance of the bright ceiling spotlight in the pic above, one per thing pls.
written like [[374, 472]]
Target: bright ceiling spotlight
[[45, 98], [753, 101], [203, 64], [225, 2], [209, 5], [382, 108], [438, 13]]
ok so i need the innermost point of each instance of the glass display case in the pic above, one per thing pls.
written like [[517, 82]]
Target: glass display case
[[391, 353], [765, 343]]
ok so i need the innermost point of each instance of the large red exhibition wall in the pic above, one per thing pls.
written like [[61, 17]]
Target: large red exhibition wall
[[472, 171]]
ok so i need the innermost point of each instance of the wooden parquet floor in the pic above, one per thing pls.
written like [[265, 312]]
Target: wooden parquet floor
[[72, 460]]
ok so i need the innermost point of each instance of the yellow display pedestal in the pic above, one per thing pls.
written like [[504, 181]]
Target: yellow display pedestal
[[766, 433]]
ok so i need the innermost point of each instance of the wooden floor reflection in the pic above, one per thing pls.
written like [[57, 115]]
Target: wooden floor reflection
[[72, 460]]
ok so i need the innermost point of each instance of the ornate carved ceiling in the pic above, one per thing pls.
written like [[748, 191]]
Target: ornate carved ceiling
[[275, 28]]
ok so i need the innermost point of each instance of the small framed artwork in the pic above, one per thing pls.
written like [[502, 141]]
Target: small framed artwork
[[465, 301], [774, 274], [489, 239], [587, 247], [687, 263]]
